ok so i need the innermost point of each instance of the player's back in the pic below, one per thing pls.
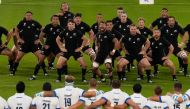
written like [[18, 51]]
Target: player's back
[[155, 105], [68, 95], [89, 101], [183, 105], [116, 97], [19, 101], [3, 103], [46, 102], [139, 99]]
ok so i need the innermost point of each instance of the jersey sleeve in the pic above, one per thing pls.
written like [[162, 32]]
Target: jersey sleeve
[[34, 101], [80, 91], [38, 25], [181, 30], [167, 43], [87, 28], [20, 25], [127, 97], [187, 28], [105, 96], [45, 30], [154, 23], [4, 31]]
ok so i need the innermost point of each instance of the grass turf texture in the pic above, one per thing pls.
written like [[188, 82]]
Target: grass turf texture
[[12, 11]]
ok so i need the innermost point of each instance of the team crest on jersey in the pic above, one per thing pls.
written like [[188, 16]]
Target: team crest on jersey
[[124, 29], [175, 31], [58, 30], [119, 26], [152, 43], [74, 34], [145, 33], [160, 43], [138, 39], [129, 39], [69, 14], [54, 33], [36, 35], [28, 27], [51, 29], [65, 17], [82, 28], [160, 21], [67, 34], [167, 31], [105, 36], [96, 27], [33, 24], [24, 24]]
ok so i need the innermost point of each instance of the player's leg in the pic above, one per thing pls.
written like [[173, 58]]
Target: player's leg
[[183, 56], [80, 59], [7, 52], [51, 59], [89, 51], [168, 63], [16, 62], [60, 63], [144, 65], [108, 65], [120, 65], [95, 66]]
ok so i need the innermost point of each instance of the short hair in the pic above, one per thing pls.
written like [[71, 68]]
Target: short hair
[[20, 87], [54, 16], [171, 17], [158, 90], [178, 86], [30, 12], [71, 20], [93, 82], [99, 14], [156, 29], [78, 15], [120, 8], [132, 25], [116, 84], [46, 86], [141, 18], [103, 22], [109, 21], [165, 9], [69, 79], [137, 88]]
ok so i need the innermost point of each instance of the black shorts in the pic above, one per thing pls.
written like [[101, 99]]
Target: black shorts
[[187, 48], [100, 58], [156, 61], [130, 58], [116, 54], [176, 50], [26, 48], [85, 48], [76, 55], [47, 52], [1, 49]]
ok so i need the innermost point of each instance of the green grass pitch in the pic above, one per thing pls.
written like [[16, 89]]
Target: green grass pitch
[[12, 11]]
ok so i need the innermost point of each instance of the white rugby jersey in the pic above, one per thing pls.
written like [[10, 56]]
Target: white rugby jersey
[[116, 97], [46, 102], [155, 105], [89, 101], [174, 104], [19, 101], [3, 103], [139, 99], [68, 95]]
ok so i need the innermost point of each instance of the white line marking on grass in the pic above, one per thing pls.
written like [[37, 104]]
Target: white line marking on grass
[[101, 4]]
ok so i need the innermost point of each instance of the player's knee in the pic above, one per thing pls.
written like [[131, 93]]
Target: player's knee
[[95, 65], [108, 65]]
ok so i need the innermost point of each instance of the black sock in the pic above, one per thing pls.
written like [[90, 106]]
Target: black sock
[[128, 67], [119, 75], [148, 74], [50, 64], [185, 69], [37, 68], [11, 65], [15, 66], [180, 62], [83, 73], [113, 62], [101, 77], [44, 67], [65, 69], [174, 77], [59, 72], [155, 69], [123, 74]]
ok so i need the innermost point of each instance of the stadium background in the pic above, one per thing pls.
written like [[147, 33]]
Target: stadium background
[[12, 11]]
